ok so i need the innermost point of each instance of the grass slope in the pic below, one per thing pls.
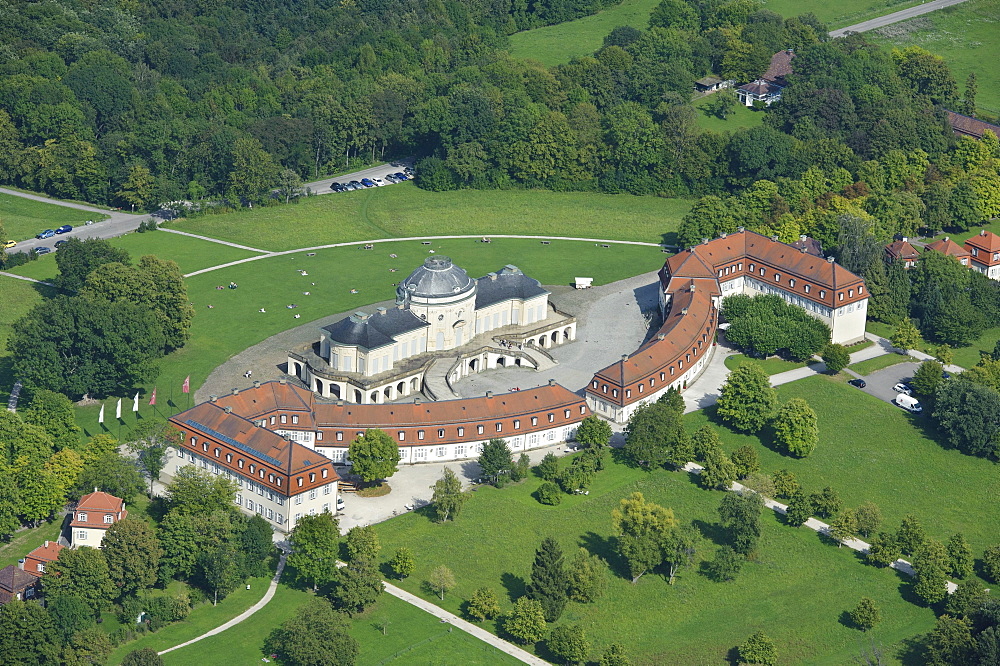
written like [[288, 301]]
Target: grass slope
[[556, 44], [878, 363], [796, 590], [771, 366], [17, 297], [965, 35], [23, 218], [965, 357], [191, 254], [274, 282], [412, 637], [404, 210], [860, 433], [842, 13]]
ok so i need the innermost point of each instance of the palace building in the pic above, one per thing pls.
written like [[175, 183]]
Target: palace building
[[692, 286], [439, 315]]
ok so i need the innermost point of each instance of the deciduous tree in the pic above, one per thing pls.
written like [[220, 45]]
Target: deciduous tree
[[746, 461], [222, 571], [194, 490], [110, 473], [826, 503], [54, 412], [448, 496], [150, 442], [525, 623], [316, 634], [725, 566], [950, 643], [800, 508], [960, 556], [883, 550], [362, 543], [869, 518], [931, 563], [796, 427], [77, 258], [906, 336], [315, 542], [968, 415], [374, 455], [747, 401], [569, 643], [991, 563], [642, 528], [484, 604], [82, 572], [911, 535], [27, 634], [593, 431], [587, 577], [844, 527], [357, 586], [548, 469], [719, 471], [836, 358], [785, 483], [132, 553], [759, 649], [441, 580], [740, 514], [615, 655], [143, 657], [402, 562]]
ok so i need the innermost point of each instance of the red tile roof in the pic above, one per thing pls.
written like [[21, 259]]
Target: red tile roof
[[687, 330], [948, 247], [100, 501], [902, 249], [48, 552], [968, 126], [986, 241], [747, 254], [267, 398]]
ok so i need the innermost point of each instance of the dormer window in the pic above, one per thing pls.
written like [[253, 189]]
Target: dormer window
[[109, 518], [81, 517], [822, 293], [791, 283], [777, 277], [284, 418], [806, 288]]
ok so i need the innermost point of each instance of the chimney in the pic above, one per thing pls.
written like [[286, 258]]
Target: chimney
[[624, 357], [741, 229], [661, 337], [229, 410], [802, 249], [829, 260], [282, 381], [692, 287], [982, 232], [723, 234], [552, 382], [704, 241], [489, 394], [236, 391], [946, 239], [256, 384], [905, 239], [213, 398], [416, 401], [492, 276], [774, 237], [803, 237], [380, 310], [684, 311], [340, 403]]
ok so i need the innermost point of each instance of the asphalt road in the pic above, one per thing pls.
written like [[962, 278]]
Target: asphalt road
[[879, 384], [895, 17], [118, 223]]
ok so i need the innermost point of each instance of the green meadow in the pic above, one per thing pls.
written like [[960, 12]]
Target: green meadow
[[24, 218]]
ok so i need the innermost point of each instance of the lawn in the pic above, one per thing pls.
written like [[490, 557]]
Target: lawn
[[404, 211], [965, 357], [26, 540], [203, 617], [797, 589], [274, 282], [740, 117], [842, 13], [24, 218], [556, 44], [965, 36], [771, 366], [17, 297], [871, 450], [878, 363], [191, 254], [412, 636]]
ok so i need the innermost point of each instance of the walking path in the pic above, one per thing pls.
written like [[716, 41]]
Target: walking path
[[467, 627], [820, 527], [26, 279], [895, 17], [602, 241], [214, 240], [245, 614]]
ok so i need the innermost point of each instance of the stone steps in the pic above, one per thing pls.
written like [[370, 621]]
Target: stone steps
[[435, 379]]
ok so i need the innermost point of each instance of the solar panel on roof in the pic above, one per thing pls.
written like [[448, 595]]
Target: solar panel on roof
[[239, 445]]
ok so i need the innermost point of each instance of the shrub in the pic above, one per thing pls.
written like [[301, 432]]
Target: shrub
[[549, 493]]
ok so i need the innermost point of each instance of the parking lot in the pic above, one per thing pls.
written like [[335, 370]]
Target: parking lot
[[879, 384], [377, 172]]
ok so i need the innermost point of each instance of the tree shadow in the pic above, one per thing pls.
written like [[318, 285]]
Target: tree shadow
[[157, 508], [733, 656], [515, 585], [470, 469], [606, 548], [845, 620], [714, 532], [911, 651]]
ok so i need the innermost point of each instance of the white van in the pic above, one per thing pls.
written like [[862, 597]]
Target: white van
[[908, 403]]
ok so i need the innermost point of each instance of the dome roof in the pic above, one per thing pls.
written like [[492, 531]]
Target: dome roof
[[437, 278]]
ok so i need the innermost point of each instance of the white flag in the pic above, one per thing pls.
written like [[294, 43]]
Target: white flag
[[118, 409], [100, 419], [135, 402]]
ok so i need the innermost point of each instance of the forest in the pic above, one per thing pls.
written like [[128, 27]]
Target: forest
[[132, 104]]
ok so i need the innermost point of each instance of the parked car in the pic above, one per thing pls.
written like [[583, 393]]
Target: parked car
[[860, 383], [9, 244], [340, 503], [356, 185], [908, 403], [42, 250], [367, 182], [336, 187], [60, 243], [401, 175], [48, 233], [389, 178], [64, 229], [378, 182], [903, 388]]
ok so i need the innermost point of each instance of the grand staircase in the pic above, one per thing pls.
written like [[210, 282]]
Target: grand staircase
[[435, 379]]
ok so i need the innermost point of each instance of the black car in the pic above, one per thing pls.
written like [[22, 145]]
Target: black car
[[860, 383], [336, 187], [60, 243]]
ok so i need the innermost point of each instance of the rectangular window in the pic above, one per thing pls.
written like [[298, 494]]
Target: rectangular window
[[402, 436], [340, 436], [440, 433], [298, 499], [312, 494], [480, 429], [499, 427], [250, 505], [534, 420], [81, 517], [295, 419], [81, 535], [420, 434], [280, 519], [517, 424], [461, 432], [552, 417], [109, 519], [284, 418], [326, 489], [442, 451]]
